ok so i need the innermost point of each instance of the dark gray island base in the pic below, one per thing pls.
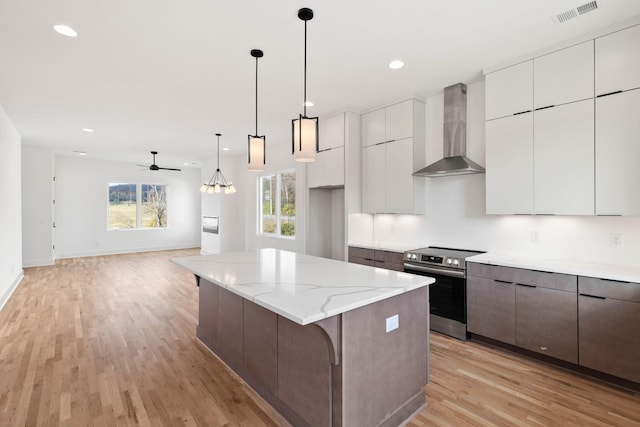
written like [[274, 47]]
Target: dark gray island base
[[344, 370]]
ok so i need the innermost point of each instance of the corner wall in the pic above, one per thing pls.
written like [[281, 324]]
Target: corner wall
[[11, 212]]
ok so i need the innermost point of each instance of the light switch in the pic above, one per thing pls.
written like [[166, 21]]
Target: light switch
[[393, 323]]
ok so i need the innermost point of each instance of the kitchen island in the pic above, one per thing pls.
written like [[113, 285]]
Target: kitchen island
[[326, 343]]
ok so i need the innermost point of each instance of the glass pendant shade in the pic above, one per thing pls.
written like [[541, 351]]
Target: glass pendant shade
[[305, 138], [256, 151]]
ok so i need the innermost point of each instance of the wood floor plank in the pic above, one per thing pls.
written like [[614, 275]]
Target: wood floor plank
[[109, 341]]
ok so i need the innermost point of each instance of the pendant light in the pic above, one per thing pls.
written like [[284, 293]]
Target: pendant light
[[218, 182], [256, 150], [304, 129]]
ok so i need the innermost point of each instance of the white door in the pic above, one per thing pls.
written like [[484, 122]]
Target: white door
[[373, 179], [399, 181]]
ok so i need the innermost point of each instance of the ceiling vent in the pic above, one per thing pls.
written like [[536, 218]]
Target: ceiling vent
[[577, 11]]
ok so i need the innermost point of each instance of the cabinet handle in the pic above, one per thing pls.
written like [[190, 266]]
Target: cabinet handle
[[369, 259], [502, 281], [543, 348], [391, 140], [615, 281], [544, 108], [526, 286], [610, 93], [379, 260], [591, 296], [542, 271], [522, 112]]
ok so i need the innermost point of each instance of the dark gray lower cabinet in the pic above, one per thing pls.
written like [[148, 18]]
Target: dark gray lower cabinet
[[535, 310], [546, 322], [491, 308], [609, 313]]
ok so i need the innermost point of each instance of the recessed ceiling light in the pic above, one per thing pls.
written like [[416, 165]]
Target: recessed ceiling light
[[89, 130], [308, 104], [396, 64], [80, 153], [225, 149], [65, 30]]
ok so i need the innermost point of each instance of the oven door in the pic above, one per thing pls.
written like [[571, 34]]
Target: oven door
[[448, 295]]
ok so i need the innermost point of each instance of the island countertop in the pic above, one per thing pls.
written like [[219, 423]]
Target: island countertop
[[301, 288]]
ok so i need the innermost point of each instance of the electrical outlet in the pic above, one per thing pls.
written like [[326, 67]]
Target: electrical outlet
[[392, 323], [616, 240], [535, 236]]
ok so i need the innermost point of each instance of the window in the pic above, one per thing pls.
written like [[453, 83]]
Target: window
[[277, 192], [134, 206]]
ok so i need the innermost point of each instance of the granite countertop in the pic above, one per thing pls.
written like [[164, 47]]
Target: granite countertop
[[625, 273], [302, 288]]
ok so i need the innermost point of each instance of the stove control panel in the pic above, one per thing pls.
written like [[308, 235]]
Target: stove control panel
[[433, 259]]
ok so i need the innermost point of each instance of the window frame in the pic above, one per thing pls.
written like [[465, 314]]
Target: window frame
[[278, 204], [139, 205]]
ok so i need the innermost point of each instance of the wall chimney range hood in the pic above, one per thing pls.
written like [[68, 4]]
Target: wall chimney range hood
[[455, 161]]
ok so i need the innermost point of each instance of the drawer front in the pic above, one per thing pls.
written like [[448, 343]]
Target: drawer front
[[388, 256], [491, 309], [624, 291], [361, 253], [543, 279]]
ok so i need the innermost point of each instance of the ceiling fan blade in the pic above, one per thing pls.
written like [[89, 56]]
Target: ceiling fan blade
[[143, 166], [170, 169]]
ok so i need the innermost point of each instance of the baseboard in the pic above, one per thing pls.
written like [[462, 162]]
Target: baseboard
[[37, 262], [125, 251], [4, 298]]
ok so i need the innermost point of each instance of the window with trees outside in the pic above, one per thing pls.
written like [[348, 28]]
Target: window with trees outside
[[277, 216], [134, 206]]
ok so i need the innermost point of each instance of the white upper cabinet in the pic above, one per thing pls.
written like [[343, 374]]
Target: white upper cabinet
[[331, 132], [509, 91], [509, 154], [399, 167], [374, 179], [563, 76], [617, 61], [618, 154], [334, 166], [564, 159], [393, 148], [399, 121], [373, 127]]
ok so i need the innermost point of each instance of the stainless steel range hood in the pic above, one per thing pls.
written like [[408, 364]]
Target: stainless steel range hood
[[455, 161]]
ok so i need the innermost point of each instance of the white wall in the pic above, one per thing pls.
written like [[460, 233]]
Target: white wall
[[11, 212], [455, 209], [37, 206], [81, 208], [279, 158], [231, 231]]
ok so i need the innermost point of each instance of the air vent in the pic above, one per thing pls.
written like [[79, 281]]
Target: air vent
[[577, 11]]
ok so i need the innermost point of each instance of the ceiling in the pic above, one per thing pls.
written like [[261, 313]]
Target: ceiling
[[167, 75]]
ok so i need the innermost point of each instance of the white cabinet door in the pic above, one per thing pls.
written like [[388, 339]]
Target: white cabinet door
[[334, 166], [331, 132], [373, 127], [509, 91], [373, 179], [563, 76], [399, 121], [617, 61], [315, 171], [618, 154], [564, 159], [509, 157], [399, 181]]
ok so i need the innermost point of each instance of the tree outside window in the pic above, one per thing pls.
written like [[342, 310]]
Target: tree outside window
[[134, 206], [277, 216]]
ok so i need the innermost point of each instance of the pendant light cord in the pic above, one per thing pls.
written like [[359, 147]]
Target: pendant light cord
[[305, 69], [218, 135], [256, 96]]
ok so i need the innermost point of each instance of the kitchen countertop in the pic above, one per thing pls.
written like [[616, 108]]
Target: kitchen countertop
[[625, 273], [386, 246], [302, 288]]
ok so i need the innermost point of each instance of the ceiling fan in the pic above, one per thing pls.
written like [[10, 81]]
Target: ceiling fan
[[155, 167]]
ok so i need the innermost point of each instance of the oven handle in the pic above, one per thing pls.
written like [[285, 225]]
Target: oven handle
[[434, 270]]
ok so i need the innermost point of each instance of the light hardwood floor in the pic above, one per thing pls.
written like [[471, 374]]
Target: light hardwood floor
[[109, 341]]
